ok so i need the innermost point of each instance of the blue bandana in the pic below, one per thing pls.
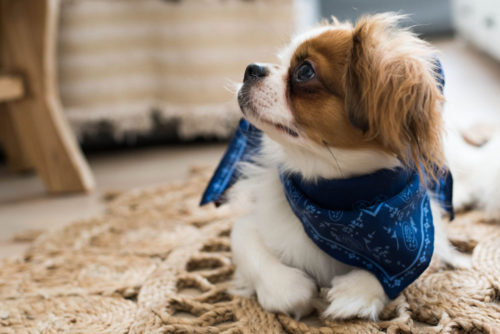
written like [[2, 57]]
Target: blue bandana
[[242, 148], [380, 222]]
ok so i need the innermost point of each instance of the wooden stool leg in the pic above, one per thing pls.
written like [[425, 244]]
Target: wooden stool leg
[[17, 157], [29, 37]]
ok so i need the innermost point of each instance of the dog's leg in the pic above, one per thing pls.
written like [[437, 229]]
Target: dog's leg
[[279, 288], [357, 294]]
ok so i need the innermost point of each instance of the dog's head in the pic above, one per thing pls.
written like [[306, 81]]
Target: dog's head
[[371, 86]]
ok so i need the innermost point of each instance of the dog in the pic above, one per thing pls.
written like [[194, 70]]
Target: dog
[[345, 103]]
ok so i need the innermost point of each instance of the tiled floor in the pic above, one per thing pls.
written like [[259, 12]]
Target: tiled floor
[[472, 90]]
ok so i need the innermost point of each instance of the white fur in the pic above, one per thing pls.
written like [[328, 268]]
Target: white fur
[[488, 175], [357, 293], [287, 52], [476, 173]]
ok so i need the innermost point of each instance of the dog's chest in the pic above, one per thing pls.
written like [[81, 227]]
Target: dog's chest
[[283, 233]]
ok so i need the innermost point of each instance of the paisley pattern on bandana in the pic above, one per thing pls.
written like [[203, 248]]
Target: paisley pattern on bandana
[[392, 238]]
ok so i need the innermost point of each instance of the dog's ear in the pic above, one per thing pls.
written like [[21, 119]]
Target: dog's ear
[[392, 94]]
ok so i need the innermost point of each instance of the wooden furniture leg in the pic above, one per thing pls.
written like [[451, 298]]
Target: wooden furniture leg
[[28, 36], [12, 88], [17, 157]]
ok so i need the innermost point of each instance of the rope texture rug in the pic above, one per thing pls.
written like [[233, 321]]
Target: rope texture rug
[[156, 263]]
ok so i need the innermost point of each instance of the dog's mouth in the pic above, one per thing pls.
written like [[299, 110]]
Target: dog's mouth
[[278, 126], [249, 112], [282, 128]]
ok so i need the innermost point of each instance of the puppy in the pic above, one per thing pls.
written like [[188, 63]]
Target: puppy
[[346, 102]]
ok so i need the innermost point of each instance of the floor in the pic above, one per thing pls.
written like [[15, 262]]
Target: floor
[[24, 206], [472, 91]]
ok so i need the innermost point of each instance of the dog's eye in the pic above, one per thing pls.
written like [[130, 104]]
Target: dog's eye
[[305, 72]]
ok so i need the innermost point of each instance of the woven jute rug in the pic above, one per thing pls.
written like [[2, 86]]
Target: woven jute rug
[[157, 263]]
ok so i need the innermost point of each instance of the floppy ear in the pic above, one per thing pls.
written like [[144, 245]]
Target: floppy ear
[[392, 93]]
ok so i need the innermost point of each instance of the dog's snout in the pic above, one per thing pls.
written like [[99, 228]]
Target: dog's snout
[[255, 72]]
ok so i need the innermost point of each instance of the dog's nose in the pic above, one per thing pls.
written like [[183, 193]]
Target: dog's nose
[[254, 72]]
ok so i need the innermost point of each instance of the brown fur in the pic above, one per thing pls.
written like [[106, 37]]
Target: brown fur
[[318, 106], [375, 88]]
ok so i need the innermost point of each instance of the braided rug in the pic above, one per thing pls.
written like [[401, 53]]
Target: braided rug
[[157, 263]]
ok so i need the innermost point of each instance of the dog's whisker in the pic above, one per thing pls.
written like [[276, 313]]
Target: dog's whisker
[[232, 86], [334, 158]]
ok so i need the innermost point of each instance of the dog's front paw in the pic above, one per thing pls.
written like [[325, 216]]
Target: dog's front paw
[[287, 290], [357, 294], [241, 286]]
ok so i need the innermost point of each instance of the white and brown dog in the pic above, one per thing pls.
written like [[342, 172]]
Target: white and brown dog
[[345, 101]]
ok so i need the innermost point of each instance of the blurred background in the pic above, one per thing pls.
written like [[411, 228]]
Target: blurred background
[[145, 89]]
